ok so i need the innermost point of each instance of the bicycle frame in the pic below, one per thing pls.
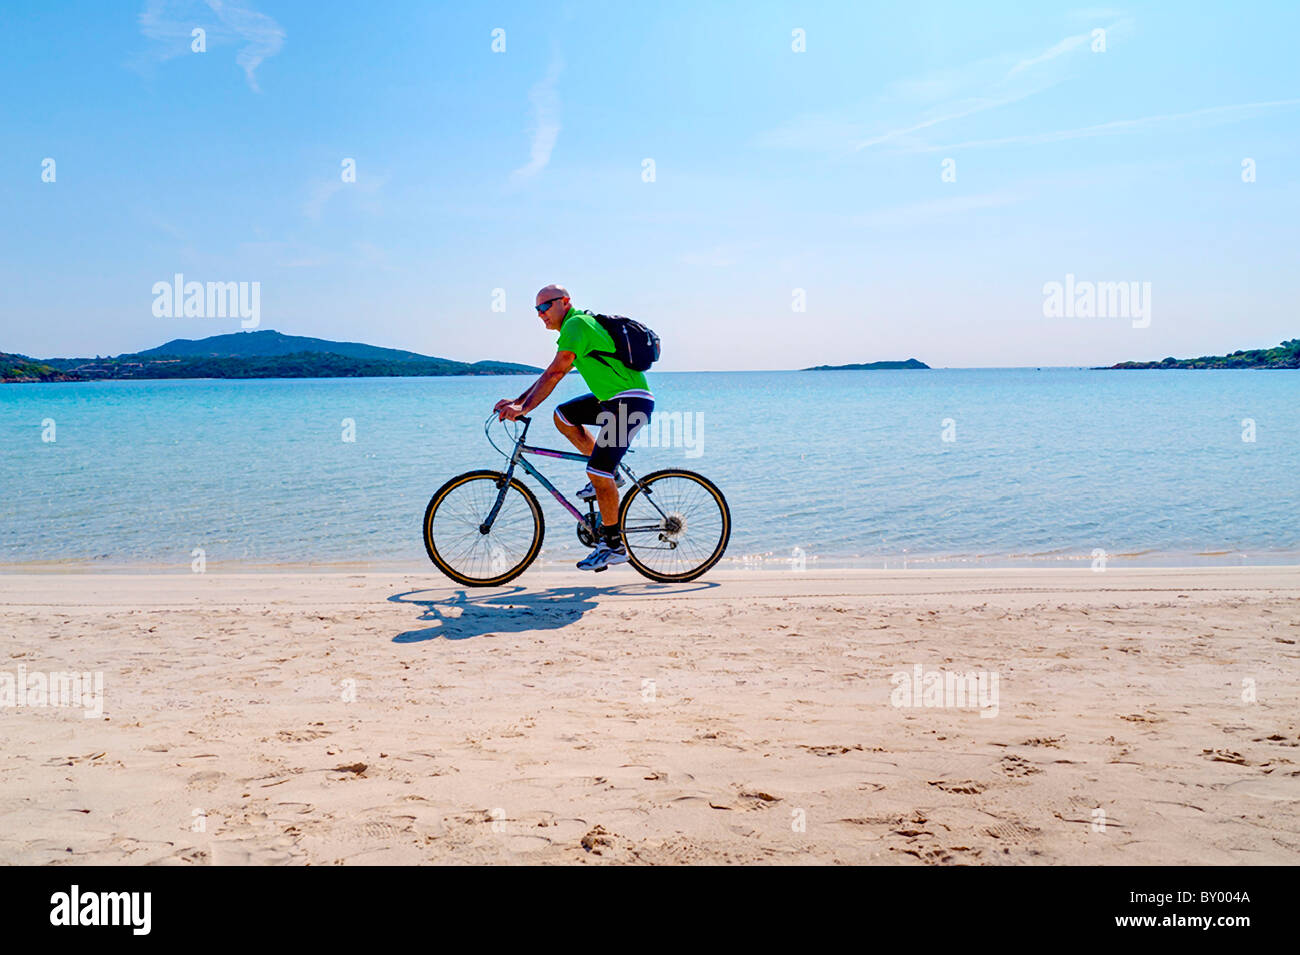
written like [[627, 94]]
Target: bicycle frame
[[517, 459]]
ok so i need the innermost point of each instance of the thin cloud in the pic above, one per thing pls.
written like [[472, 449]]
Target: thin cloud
[[978, 106], [545, 98], [321, 192], [170, 23], [985, 84], [1027, 77], [263, 36], [365, 194], [164, 226], [168, 30], [1226, 114], [1060, 49]]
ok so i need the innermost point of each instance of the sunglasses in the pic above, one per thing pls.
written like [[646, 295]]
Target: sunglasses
[[545, 305]]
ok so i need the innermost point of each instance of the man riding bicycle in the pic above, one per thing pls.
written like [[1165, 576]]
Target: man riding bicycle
[[620, 403]]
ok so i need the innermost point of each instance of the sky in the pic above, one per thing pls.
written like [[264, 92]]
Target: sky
[[766, 185]]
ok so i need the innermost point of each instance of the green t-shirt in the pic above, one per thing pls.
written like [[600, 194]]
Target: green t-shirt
[[605, 375]]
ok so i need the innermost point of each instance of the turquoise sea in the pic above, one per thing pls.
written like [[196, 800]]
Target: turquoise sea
[[875, 468]]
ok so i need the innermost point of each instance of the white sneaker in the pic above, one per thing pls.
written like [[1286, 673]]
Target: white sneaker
[[588, 493], [602, 557]]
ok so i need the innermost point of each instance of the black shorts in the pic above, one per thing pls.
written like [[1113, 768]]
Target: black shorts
[[619, 420]]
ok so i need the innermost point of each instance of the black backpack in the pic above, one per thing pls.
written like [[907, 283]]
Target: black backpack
[[634, 345]]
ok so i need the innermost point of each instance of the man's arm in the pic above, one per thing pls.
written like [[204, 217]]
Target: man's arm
[[541, 389]]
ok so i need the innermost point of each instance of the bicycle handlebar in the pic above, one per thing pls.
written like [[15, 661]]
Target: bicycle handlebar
[[487, 429], [526, 419]]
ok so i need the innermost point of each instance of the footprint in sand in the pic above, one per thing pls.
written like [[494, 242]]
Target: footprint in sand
[[206, 780], [1271, 788], [966, 787]]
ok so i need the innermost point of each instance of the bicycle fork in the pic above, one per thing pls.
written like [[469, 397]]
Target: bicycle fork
[[502, 487]]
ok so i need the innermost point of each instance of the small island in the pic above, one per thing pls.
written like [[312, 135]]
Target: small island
[[1285, 355], [872, 366], [260, 354]]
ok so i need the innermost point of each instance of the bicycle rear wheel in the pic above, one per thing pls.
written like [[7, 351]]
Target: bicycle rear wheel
[[675, 524], [453, 535]]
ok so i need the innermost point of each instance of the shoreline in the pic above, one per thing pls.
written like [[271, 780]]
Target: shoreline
[[747, 564]]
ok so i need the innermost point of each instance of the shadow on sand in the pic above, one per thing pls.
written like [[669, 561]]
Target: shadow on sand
[[501, 610]]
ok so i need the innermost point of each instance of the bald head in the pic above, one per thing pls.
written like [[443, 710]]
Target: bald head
[[556, 298]]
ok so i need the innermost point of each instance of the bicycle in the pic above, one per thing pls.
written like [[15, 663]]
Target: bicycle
[[484, 528]]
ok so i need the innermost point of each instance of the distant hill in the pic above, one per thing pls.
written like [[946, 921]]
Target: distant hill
[[19, 368], [271, 344], [260, 354], [872, 366], [1285, 355]]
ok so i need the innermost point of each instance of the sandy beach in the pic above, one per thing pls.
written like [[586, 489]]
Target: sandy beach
[[1124, 717]]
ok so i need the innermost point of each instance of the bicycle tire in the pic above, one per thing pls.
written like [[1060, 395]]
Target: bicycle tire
[[441, 560], [724, 514]]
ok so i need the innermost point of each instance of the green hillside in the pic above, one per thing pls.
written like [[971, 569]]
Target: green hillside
[[260, 354], [20, 368], [1285, 355], [269, 344]]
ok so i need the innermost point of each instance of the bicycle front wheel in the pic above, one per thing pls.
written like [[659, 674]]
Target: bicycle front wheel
[[675, 525], [453, 529]]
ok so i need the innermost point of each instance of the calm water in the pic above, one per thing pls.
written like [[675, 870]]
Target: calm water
[[850, 467]]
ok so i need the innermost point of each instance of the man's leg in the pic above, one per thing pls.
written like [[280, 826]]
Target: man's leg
[[571, 417], [578, 436], [606, 499], [609, 541], [613, 444]]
